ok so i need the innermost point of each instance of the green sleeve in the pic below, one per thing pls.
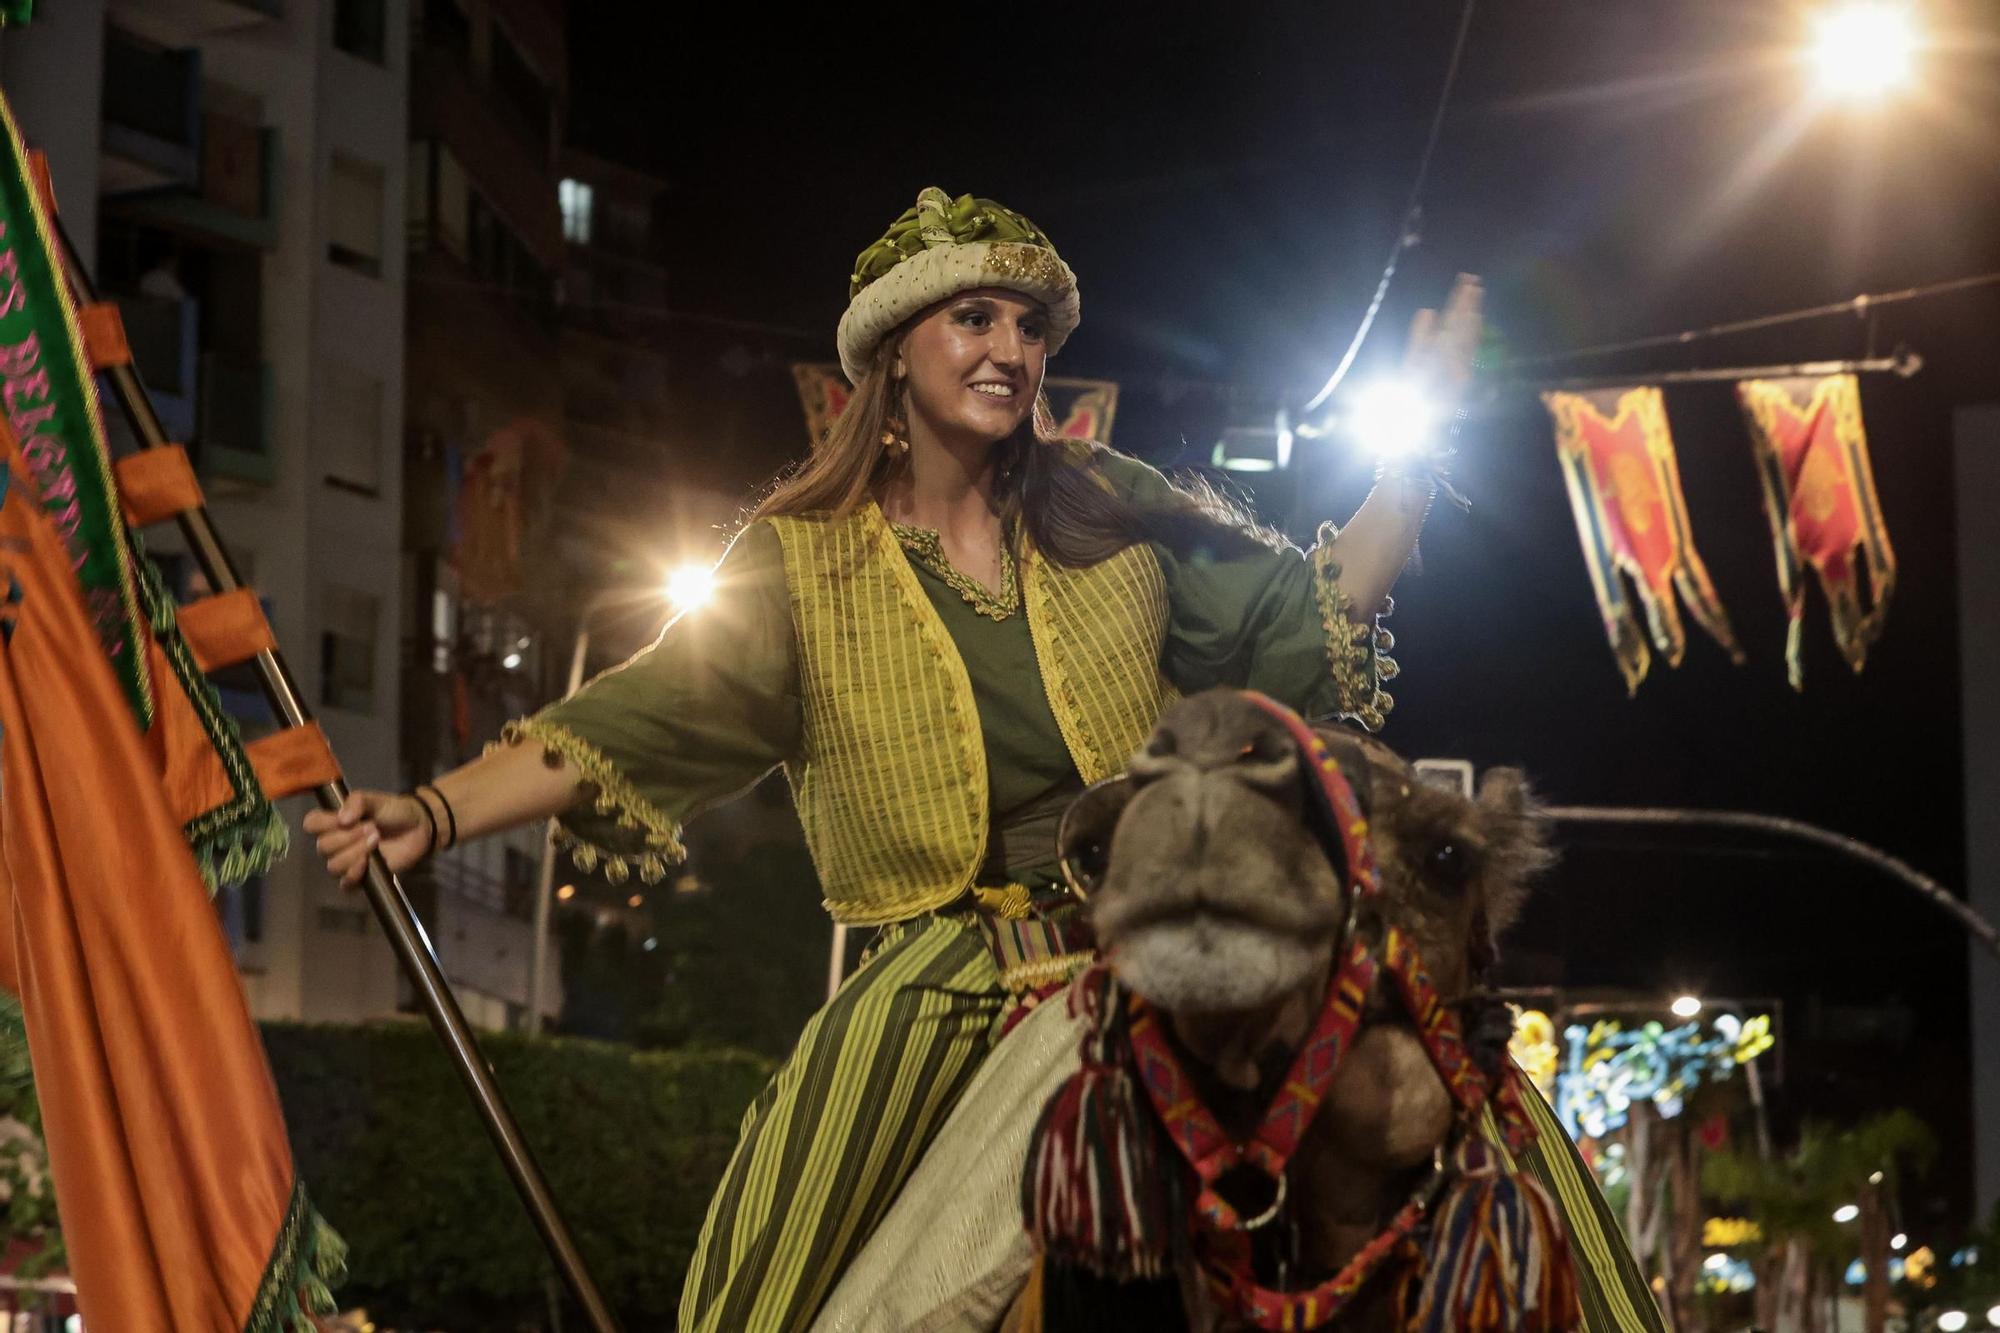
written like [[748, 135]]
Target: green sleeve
[[707, 710], [1263, 616]]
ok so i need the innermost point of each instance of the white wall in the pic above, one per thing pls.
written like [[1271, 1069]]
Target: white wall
[[353, 541], [53, 74]]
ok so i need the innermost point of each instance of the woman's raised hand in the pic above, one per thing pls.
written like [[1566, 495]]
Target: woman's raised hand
[[400, 824], [1444, 344]]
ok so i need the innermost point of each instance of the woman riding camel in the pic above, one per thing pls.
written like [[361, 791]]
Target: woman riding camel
[[942, 625]]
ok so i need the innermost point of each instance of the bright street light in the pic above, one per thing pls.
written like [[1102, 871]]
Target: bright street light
[[1847, 1212], [690, 586], [1392, 418], [1864, 49], [1993, 1316], [1951, 1321], [1687, 1006], [1898, 1241]]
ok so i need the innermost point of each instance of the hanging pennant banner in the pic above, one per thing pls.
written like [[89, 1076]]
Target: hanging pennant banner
[[823, 392], [1083, 408], [1625, 488], [1819, 491]]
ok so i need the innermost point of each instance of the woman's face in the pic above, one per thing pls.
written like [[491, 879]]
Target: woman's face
[[973, 365]]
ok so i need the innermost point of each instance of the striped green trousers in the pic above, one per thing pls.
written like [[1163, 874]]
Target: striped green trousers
[[831, 1139]]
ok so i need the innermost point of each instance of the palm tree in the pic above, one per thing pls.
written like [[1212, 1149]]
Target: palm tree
[[1794, 1199]]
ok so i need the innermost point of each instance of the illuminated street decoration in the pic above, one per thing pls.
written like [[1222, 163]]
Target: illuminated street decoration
[[1610, 1067], [1534, 1049], [1725, 1273], [1726, 1233]]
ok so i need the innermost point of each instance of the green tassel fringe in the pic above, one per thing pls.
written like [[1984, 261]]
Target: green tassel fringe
[[231, 854], [307, 1262], [245, 835]]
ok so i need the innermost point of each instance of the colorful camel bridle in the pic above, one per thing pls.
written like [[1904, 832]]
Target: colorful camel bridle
[[1223, 1235]]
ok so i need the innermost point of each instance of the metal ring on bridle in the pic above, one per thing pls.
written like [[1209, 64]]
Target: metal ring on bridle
[[1269, 1215], [1071, 879]]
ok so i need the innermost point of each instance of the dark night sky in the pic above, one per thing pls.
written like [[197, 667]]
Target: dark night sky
[[1226, 180]]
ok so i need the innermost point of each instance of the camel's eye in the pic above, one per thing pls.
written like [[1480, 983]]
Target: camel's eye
[[1448, 867], [1083, 841], [1268, 748]]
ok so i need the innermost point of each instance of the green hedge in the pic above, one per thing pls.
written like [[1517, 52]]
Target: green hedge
[[632, 1143]]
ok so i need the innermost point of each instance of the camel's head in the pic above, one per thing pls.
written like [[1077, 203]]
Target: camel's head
[[1218, 894]]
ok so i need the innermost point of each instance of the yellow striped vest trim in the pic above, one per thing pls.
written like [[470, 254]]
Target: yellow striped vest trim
[[891, 784]]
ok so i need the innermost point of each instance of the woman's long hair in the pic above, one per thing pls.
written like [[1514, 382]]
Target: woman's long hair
[[1048, 486]]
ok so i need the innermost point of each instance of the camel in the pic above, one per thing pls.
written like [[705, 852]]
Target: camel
[[1223, 888]]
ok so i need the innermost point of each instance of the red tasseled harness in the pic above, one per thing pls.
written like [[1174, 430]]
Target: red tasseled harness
[[1455, 1207]]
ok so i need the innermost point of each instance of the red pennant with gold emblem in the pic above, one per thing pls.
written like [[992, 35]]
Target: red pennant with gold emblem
[[1625, 488], [1812, 455], [823, 392], [1083, 408]]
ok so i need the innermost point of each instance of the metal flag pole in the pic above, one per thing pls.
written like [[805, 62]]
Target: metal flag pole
[[385, 894]]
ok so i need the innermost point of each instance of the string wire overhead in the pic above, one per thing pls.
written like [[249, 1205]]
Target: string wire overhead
[[1410, 231]]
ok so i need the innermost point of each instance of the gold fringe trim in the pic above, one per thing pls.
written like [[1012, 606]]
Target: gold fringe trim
[[1045, 971], [614, 795], [928, 547], [1357, 650]]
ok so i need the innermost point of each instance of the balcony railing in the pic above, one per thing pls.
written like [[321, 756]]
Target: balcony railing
[[234, 197], [162, 335], [188, 20], [233, 429]]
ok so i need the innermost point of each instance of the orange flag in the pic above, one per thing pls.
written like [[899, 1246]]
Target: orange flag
[[167, 1147], [1625, 488], [1819, 493]]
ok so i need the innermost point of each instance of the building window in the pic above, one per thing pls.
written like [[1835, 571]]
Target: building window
[[499, 257], [521, 88], [343, 920], [350, 427], [574, 196], [347, 649], [354, 215], [361, 28], [437, 189], [241, 908], [447, 29]]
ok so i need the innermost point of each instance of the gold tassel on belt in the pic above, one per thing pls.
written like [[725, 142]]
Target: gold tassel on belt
[[1009, 902]]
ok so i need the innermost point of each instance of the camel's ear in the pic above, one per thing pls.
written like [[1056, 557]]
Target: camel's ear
[[1083, 840], [1516, 837]]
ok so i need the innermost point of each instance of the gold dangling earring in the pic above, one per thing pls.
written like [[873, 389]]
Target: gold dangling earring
[[893, 439]]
